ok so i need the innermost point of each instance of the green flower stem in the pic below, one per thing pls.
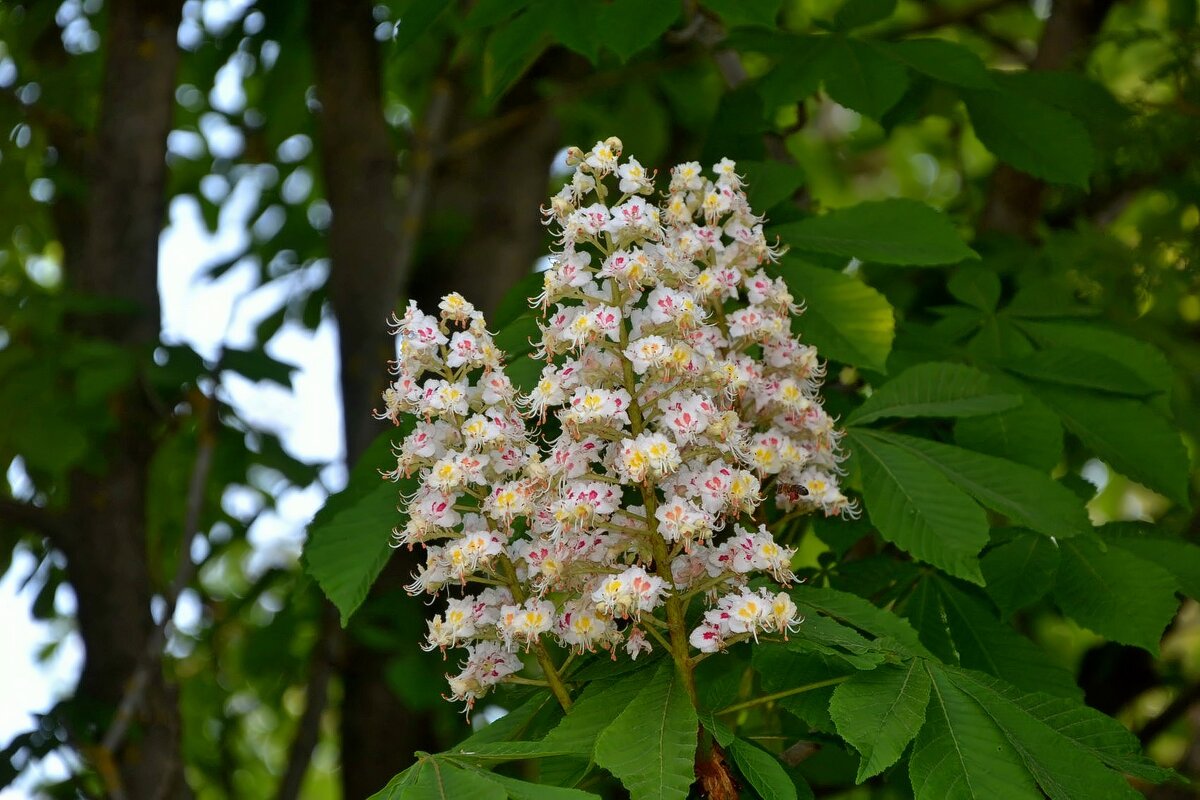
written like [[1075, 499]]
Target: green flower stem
[[676, 603], [770, 698], [553, 678]]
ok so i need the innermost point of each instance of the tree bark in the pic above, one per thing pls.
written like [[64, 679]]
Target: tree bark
[[378, 734], [116, 259], [1014, 201]]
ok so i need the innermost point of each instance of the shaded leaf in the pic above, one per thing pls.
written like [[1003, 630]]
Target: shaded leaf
[[844, 318], [349, 539], [880, 712], [1114, 593], [885, 231], [1128, 435], [1020, 571], [941, 60], [860, 77], [1026, 496], [762, 771], [934, 389], [916, 507], [1032, 136]]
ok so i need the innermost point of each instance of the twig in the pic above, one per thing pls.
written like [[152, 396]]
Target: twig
[[33, 517], [770, 698], [1176, 709], [316, 697]]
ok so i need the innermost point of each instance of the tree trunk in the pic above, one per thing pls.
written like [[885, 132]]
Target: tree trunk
[[379, 735], [116, 259]]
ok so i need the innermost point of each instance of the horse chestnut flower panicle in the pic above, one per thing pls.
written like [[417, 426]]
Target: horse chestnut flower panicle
[[675, 415]]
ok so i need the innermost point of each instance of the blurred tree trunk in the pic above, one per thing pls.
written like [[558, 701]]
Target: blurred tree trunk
[[372, 243], [378, 734], [115, 258]]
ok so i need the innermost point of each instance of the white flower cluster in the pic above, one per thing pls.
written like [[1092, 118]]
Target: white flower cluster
[[674, 402]]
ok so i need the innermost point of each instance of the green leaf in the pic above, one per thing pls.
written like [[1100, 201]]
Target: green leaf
[[1140, 357], [1176, 556], [985, 643], [628, 26], [769, 183], [736, 13], [934, 389], [941, 60], [850, 609], [438, 780], [575, 26], [884, 232], [257, 365], [1020, 571], [960, 754], [1098, 734], [782, 670], [844, 318], [511, 49], [1026, 496], [592, 712], [802, 65], [1080, 368], [916, 507], [880, 712], [976, 286], [829, 638], [1029, 434], [1114, 593], [1133, 439], [349, 540], [1070, 91], [860, 77], [762, 771], [650, 746], [1032, 136], [1063, 769], [857, 13], [923, 608], [417, 18], [524, 790]]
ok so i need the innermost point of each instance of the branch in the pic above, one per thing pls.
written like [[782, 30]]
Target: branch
[[316, 697], [138, 682], [35, 518], [941, 16], [1177, 708]]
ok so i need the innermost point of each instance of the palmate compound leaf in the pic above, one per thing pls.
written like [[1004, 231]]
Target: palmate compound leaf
[[896, 231], [879, 712], [1178, 557], [914, 506], [888, 629], [934, 389], [650, 746], [347, 546], [981, 739], [1026, 496], [985, 643], [844, 318]]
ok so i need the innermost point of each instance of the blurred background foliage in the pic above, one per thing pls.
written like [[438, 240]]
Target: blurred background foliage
[[380, 152]]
